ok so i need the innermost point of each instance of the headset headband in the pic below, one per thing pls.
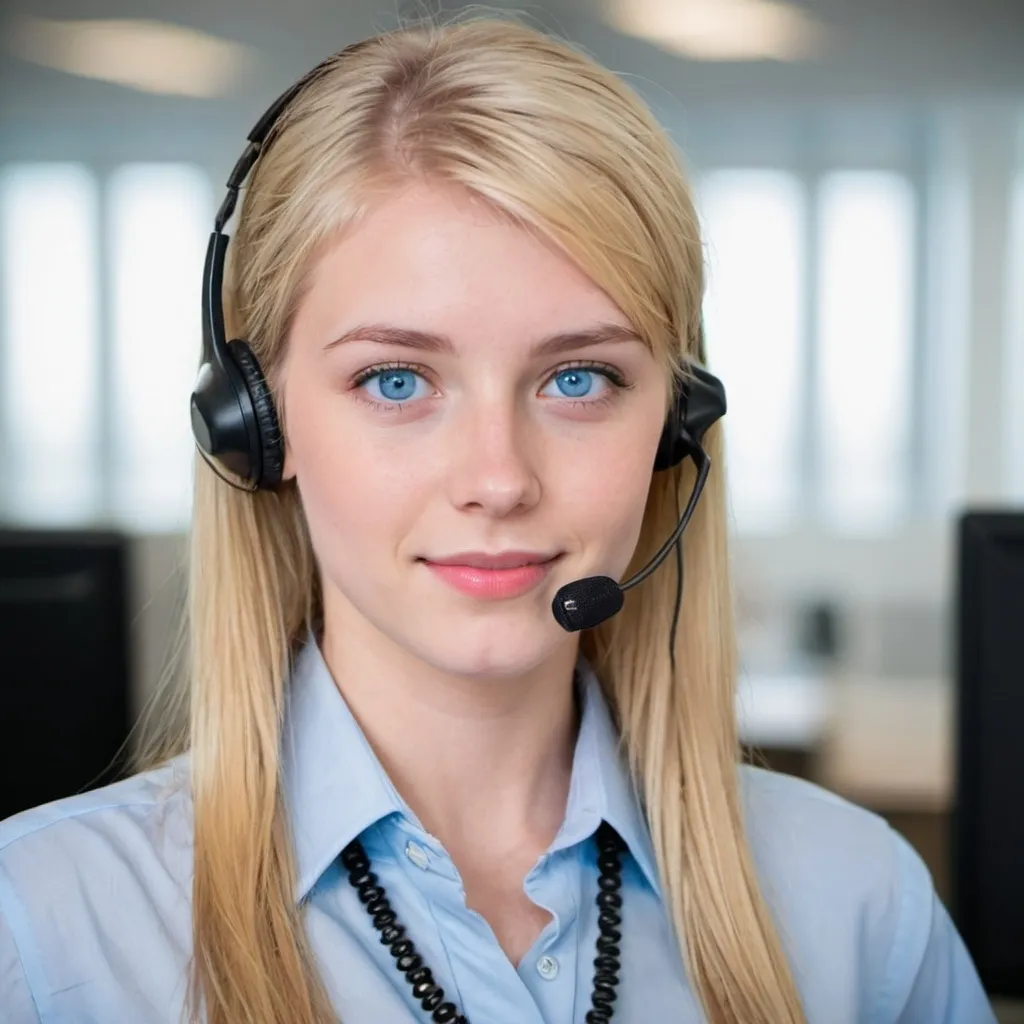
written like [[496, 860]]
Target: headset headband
[[234, 422]]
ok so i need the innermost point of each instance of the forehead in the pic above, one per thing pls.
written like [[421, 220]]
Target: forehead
[[438, 258]]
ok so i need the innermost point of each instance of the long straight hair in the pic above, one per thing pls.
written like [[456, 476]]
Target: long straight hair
[[544, 133]]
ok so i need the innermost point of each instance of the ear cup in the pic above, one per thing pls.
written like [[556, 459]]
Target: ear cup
[[271, 441], [699, 402]]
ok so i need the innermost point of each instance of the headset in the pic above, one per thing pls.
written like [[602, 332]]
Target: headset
[[237, 431]]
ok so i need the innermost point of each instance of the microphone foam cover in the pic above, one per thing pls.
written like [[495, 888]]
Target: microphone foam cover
[[586, 603]]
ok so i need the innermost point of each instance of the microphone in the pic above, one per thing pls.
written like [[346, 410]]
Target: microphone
[[583, 604]]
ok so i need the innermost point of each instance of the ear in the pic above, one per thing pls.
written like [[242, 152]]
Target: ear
[[288, 470], [288, 466]]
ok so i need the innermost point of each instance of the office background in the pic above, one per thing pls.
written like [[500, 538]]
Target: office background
[[859, 168]]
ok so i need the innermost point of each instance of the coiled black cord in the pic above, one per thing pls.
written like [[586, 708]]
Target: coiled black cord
[[431, 996]]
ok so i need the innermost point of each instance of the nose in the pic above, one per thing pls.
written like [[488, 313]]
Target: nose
[[494, 455]]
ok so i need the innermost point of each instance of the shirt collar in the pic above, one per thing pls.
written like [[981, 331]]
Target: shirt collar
[[601, 787], [336, 787], [334, 784]]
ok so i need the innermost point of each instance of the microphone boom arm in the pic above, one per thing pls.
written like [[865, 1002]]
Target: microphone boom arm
[[703, 462]]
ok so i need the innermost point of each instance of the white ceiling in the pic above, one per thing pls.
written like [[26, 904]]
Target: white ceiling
[[881, 53]]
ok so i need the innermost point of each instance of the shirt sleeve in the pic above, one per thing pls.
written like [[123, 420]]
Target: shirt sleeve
[[16, 1003], [930, 977]]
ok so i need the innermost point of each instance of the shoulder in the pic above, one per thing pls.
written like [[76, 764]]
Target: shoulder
[[94, 899], [140, 826], [854, 902], [148, 801], [139, 823], [821, 856], [797, 818]]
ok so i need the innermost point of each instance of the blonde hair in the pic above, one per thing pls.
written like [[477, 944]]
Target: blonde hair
[[559, 143]]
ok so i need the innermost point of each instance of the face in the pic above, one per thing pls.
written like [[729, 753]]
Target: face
[[425, 418]]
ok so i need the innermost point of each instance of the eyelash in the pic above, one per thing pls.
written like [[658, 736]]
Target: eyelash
[[610, 373]]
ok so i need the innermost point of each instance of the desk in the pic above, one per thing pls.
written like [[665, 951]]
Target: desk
[[885, 743]]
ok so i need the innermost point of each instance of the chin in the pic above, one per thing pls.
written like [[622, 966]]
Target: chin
[[490, 646]]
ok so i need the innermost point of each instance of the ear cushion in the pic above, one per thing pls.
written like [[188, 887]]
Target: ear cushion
[[674, 444], [271, 440]]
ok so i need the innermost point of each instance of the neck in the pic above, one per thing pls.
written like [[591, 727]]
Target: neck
[[483, 762]]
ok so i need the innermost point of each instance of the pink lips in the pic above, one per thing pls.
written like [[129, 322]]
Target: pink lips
[[481, 582]]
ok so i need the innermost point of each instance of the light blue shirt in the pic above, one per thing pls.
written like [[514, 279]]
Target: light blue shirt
[[95, 896]]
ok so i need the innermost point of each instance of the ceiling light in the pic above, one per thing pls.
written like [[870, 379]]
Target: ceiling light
[[147, 55], [720, 30]]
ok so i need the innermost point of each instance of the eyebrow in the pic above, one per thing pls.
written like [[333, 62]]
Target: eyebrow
[[425, 341]]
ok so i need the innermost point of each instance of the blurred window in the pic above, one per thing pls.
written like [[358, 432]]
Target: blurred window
[[856, 354], [95, 423], [160, 216], [50, 358], [754, 226], [865, 345]]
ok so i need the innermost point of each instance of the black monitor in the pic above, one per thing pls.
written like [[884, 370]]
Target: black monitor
[[64, 664], [988, 831]]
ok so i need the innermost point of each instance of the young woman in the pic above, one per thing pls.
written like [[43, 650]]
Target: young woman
[[421, 782]]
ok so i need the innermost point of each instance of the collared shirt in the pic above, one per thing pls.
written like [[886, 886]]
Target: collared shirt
[[95, 893]]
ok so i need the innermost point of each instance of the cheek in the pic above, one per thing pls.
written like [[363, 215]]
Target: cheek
[[350, 499], [355, 523], [609, 500], [348, 490]]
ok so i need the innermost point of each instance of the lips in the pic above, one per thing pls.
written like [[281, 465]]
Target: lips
[[491, 584], [499, 560]]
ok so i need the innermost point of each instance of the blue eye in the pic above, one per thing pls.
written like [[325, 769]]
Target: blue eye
[[395, 384], [576, 381]]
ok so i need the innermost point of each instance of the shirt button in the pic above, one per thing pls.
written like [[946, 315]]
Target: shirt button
[[417, 854], [547, 967]]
